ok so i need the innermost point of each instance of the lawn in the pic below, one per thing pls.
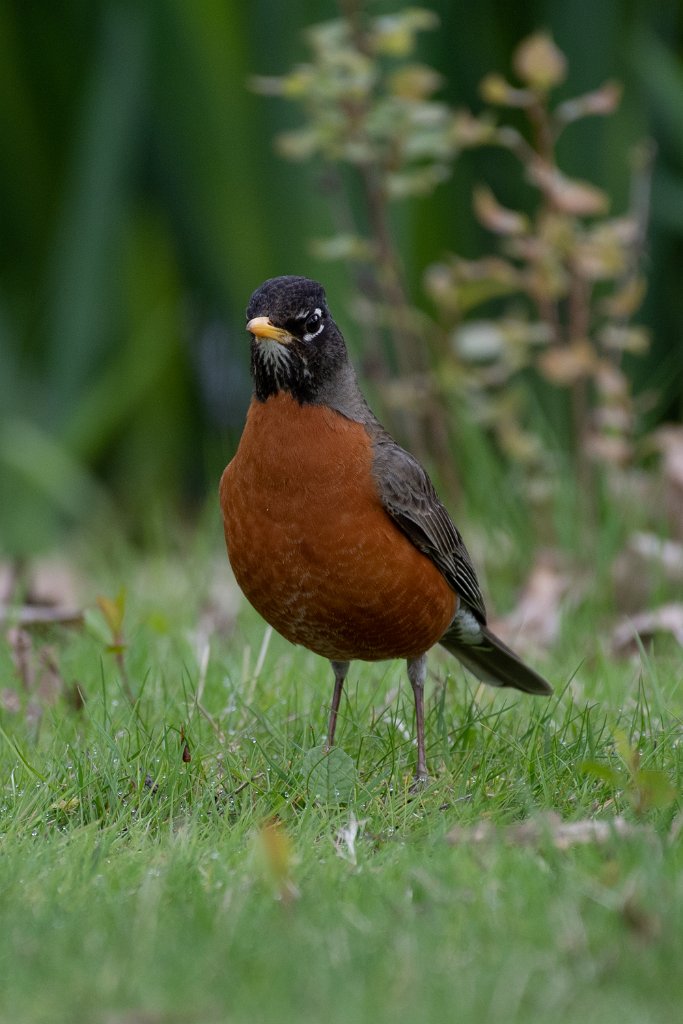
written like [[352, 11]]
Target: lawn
[[191, 858]]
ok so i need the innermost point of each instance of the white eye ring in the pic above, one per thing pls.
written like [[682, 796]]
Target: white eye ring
[[314, 325]]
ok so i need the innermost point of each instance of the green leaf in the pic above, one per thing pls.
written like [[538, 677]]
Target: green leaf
[[601, 771], [653, 789], [330, 775], [662, 77], [82, 286]]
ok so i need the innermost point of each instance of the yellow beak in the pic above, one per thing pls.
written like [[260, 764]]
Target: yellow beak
[[262, 328]]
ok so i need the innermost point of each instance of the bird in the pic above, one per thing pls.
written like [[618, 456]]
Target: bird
[[334, 532]]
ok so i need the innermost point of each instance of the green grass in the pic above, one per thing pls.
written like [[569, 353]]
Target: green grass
[[136, 886]]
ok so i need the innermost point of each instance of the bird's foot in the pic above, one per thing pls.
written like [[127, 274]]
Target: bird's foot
[[420, 782]]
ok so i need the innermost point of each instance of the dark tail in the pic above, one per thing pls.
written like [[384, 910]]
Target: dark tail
[[492, 661]]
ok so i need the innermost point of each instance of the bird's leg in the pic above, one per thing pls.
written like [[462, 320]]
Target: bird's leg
[[340, 668], [417, 673]]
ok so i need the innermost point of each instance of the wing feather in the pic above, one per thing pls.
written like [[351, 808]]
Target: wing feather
[[408, 495]]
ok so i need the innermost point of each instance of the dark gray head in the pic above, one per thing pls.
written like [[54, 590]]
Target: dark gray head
[[296, 345]]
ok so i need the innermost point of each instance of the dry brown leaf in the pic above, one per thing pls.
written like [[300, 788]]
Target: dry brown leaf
[[566, 364], [536, 616], [495, 217], [54, 581], [601, 101], [645, 563], [668, 618], [610, 449], [568, 195], [612, 382], [670, 442], [10, 701], [277, 857], [50, 684], [39, 673], [20, 647], [8, 580], [562, 834]]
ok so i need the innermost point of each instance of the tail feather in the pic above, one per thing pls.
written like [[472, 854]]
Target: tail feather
[[492, 661]]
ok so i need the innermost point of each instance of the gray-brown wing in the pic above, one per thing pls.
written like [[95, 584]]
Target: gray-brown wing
[[409, 497]]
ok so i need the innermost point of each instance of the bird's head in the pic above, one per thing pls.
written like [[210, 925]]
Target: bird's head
[[296, 345]]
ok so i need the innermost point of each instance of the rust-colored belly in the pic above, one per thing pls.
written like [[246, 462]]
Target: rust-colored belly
[[312, 547]]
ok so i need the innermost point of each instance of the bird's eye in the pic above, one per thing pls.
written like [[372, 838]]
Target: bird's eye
[[313, 323]]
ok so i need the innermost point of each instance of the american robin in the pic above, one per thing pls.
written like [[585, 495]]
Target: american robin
[[335, 533]]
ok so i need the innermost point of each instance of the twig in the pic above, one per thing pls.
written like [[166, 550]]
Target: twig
[[30, 615]]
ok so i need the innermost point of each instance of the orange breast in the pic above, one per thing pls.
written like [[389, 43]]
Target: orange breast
[[312, 547]]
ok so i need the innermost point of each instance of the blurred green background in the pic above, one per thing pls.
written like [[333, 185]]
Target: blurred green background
[[141, 202]]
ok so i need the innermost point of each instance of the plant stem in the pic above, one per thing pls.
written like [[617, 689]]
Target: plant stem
[[578, 330], [426, 430]]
